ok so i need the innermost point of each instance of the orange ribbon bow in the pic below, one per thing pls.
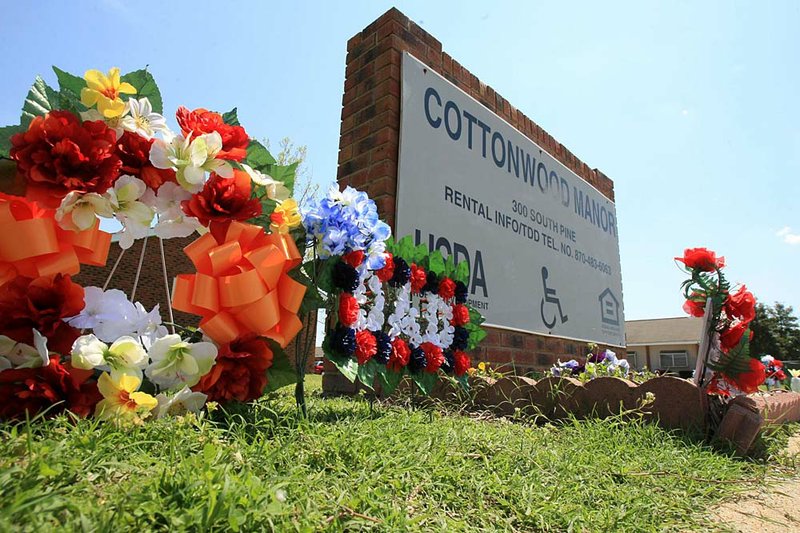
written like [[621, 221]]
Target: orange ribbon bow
[[32, 244], [242, 285]]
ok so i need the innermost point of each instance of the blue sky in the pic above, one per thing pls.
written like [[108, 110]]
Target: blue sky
[[691, 108]]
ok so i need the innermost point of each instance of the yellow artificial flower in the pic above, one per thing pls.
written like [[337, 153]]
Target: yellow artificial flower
[[286, 216], [482, 366], [104, 91], [121, 401]]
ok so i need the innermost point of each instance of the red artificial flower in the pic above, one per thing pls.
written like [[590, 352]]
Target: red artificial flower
[[730, 338], [348, 309], [386, 273], [400, 355], [741, 305], [447, 288], [418, 278], [354, 258], [240, 371], [366, 346], [701, 259], [433, 356], [462, 362], [41, 303], [460, 315], [60, 154], [694, 308], [223, 200], [718, 386], [775, 370], [748, 382], [134, 152], [55, 388], [200, 121]]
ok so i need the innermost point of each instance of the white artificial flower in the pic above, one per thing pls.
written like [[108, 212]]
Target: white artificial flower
[[191, 158], [172, 221], [184, 401], [102, 308], [134, 215], [114, 123], [15, 354], [148, 325], [213, 143], [275, 189], [177, 362], [141, 119], [125, 196], [124, 356], [132, 230], [84, 209]]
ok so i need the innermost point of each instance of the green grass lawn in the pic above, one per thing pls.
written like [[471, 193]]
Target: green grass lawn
[[350, 466]]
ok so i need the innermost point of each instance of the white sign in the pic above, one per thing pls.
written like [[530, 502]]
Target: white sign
[[541, 242]]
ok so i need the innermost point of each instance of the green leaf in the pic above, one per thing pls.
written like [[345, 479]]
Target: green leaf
[[281, 373], [475, 338], [284, 173], [436, 263], [449, 266], [325, 275], [475, 317], [405, 248], [258, 156], [462, 272], [425, 381], [41, 99], [346, 365], [366, 373], [209, 453], [69, 82], [390, 246], [6, 132], [419, 253], [231, 118], [312, 300], [390, 380], [145, 86]]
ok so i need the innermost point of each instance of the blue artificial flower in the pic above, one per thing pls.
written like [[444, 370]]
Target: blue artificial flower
[[449, 362], [460, 338], [461, 292], [346, 221], [344, 277], [343, 340], [402, 272], [384, 347], [418, 361]]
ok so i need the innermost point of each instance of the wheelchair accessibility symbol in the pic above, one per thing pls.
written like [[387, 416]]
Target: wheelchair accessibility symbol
[[551, 299]]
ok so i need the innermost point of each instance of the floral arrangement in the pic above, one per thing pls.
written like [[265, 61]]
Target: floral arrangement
[[99, 147], [596, 364], [398, 309], [776, 377], [729, 368]]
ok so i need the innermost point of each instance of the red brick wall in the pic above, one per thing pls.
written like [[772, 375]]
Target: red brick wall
[[368, 148], [150, 289]]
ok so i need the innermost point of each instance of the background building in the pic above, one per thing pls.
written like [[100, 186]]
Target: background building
[[668, 344]]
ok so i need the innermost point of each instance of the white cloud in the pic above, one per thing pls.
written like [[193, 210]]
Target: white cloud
[[788, 236]]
